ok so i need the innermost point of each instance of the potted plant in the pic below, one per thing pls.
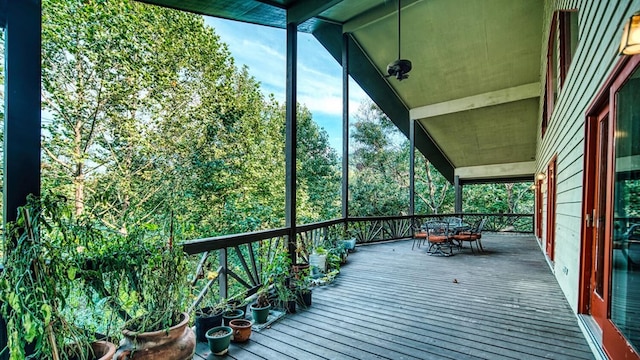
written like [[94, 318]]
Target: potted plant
[[218, 339], [349, 244], [336, 256], [241, 330], [207, 317], [301, 284], [318, 258], [43, 262], [161, 330], [260, 309], [230, 314]]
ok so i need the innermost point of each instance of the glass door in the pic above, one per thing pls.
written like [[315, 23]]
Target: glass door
[[625, 253], [610, 279]]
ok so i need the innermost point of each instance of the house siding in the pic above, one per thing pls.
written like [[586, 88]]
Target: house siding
[[600, 25]]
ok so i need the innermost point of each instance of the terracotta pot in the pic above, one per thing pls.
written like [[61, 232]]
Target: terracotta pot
[[103, 350], [297, 268], [100, 350], [178, 343], [241, 330]]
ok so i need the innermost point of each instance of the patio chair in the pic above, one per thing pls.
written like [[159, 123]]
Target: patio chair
[[419, 234], [438, 237], [471, 236]]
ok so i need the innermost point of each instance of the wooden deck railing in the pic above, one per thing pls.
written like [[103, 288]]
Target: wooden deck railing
[[231, 261]]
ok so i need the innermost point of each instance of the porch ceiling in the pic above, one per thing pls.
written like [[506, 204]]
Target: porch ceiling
[[475, 83]]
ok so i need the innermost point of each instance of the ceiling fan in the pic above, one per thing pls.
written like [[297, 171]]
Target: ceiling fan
[[400, 67]]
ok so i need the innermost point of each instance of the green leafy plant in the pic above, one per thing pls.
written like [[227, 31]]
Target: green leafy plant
[[275, 265], [42, 265], [151, 290]]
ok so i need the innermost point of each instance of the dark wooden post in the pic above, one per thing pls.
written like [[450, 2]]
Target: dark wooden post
[[291, 138], [458, 189], [22, 105], [22, 23], [345, 131], [412, 163], [223, 279]]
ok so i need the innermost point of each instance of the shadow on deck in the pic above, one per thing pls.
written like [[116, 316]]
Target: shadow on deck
[[390, 302]]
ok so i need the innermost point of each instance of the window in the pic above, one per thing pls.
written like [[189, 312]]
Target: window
[[562, 45]]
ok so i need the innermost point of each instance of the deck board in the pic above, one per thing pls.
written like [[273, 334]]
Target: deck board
[[391, 302]]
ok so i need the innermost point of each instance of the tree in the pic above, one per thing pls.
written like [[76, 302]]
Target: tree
[[380, 167], [498, 198], [147, 109], [153, 122], [433, 190], [318, 172]]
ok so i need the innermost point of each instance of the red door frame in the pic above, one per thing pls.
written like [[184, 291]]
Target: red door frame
[[614, 343], [539, 208], [551, 207]]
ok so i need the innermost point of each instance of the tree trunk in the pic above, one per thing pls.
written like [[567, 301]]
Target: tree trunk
[[78, 179], [510, 200]]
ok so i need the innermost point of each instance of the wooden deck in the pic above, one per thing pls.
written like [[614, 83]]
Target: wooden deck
[[390, 302]]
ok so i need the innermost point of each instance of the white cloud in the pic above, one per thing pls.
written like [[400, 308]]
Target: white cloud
[[263, 50]]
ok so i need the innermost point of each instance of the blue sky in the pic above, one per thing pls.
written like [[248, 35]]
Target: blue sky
[[263, 50]]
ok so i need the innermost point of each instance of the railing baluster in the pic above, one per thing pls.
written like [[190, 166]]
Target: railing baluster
[[252, 258], [238, 279], [244, 265], [205, 290], [224, 281], [200, 268]]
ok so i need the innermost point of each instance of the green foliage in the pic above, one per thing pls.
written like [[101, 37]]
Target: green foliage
[[318, 172], [275, 265], [160, 294], [380, 171], [150, 116], [42, 251], [516, 198]]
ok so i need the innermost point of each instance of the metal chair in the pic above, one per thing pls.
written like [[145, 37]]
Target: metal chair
[[419, 234], [471, 236], [438, 237]]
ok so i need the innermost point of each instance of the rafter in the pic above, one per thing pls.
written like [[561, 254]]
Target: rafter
[[498, 97]]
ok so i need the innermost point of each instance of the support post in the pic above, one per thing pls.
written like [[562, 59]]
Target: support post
[[22, 23], [291, 139], [412, 164], [458, 189], [22, 105], [345, 130]]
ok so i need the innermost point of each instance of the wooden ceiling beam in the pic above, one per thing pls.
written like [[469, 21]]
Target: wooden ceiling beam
[[497, 171], [498, 97]]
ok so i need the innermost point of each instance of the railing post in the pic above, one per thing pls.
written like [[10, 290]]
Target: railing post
[[222, 278]]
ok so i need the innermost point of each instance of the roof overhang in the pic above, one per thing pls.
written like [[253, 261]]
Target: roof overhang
[[475, 85]]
